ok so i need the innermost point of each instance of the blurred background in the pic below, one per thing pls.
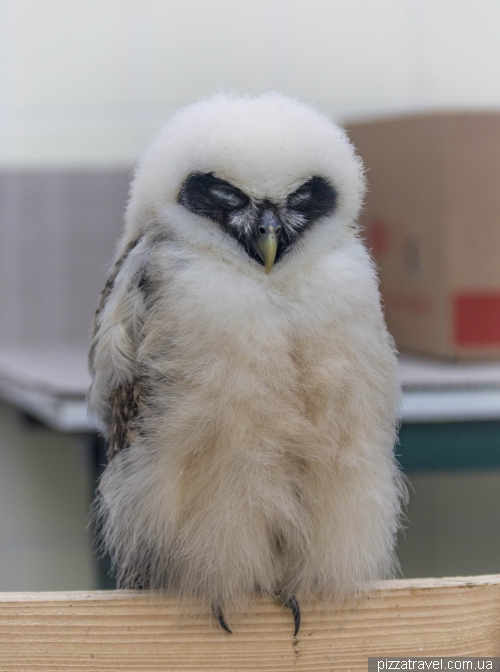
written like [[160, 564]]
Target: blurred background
[[84, 86]]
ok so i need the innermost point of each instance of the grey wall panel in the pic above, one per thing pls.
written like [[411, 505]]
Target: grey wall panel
[[57, 235]]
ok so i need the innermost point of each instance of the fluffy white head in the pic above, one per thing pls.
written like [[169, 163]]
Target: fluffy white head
[[265, 146]]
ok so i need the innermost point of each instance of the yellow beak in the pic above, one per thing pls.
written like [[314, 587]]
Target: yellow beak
[[267, 246]]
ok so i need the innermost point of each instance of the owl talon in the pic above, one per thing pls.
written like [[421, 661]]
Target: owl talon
[[221, 620], [292, 604]]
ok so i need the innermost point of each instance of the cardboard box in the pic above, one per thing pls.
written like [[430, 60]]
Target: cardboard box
[[432, 219]]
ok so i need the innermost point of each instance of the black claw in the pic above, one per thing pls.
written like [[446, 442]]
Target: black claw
[[221, 620], [292, 604], [295, 608]]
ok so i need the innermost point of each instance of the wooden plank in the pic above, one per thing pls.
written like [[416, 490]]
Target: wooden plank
[[113, 631]]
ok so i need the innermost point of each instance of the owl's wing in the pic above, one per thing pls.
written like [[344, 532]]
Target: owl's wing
[[114, 391]]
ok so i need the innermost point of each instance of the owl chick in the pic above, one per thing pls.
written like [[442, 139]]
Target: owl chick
[[242, 371]]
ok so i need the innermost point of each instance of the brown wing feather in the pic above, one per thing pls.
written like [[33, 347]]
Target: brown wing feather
[[108, 288], [123, 418], [124, 400]]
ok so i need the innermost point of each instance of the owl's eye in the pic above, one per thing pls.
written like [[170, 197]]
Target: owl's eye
[[227, 196], [209, 196], [299, 197], [314, 199]]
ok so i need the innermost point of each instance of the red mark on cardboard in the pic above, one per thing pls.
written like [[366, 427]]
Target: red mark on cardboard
[[477, 318]]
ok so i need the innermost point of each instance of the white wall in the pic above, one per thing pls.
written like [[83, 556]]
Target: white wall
[[87, 82]]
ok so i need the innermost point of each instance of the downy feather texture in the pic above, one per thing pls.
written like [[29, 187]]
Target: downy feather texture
[[251, 416]]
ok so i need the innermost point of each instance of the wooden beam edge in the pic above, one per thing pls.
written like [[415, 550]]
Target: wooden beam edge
[[379, 587]]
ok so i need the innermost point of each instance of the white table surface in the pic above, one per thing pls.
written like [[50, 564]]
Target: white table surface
[[50, 383]]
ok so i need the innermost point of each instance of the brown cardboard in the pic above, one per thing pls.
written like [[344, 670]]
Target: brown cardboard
[[432, 219]]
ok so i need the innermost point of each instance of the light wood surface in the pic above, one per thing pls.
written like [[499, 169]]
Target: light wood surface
[[132, 631]]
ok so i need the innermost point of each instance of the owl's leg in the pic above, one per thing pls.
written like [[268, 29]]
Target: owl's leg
[[290, 602], [219, 615]]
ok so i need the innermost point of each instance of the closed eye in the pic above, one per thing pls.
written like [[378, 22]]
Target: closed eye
[[227, 196], [299, 197], [314, 199], [210, 196]]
